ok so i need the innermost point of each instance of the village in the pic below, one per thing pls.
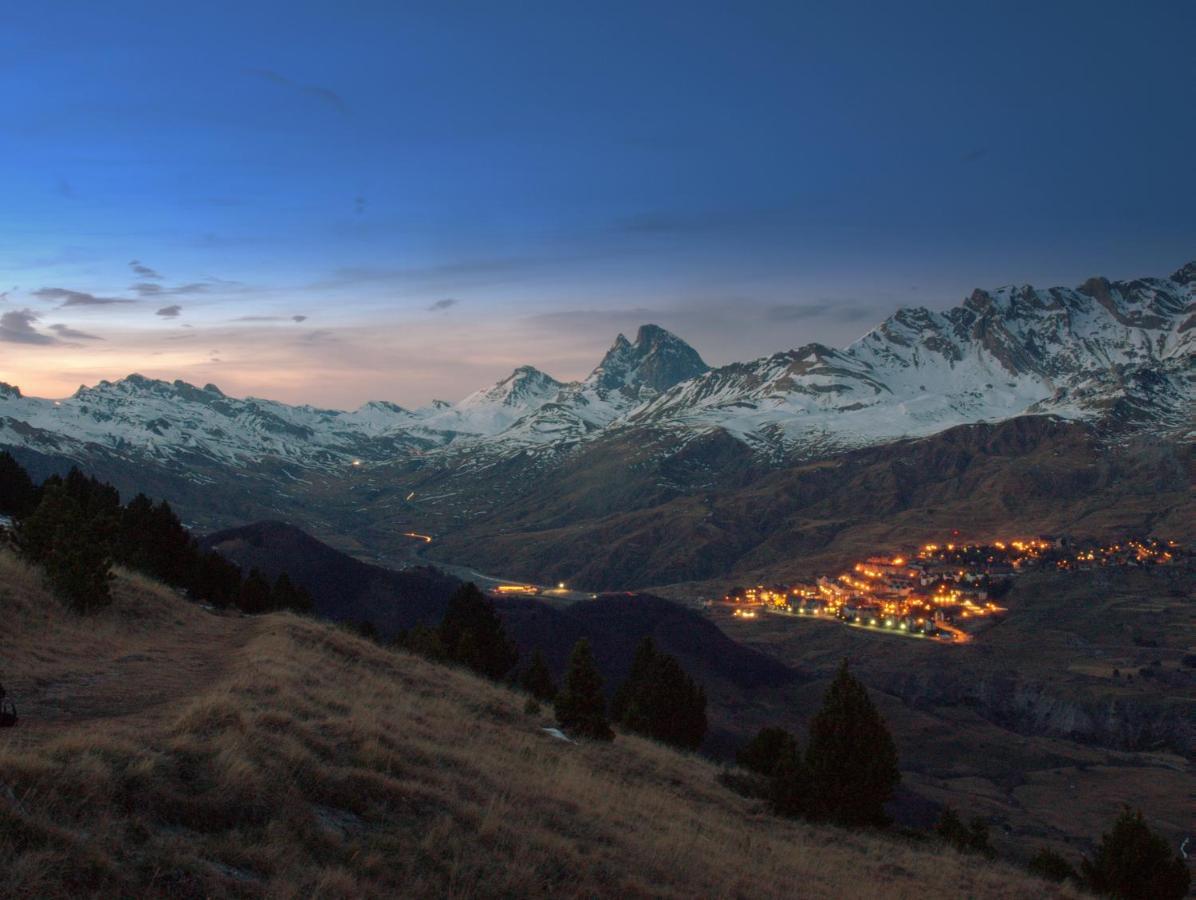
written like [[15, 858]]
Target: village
[[943, 591]]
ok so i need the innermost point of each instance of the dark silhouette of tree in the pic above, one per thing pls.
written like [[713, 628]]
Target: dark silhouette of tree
[[659, 700], [789, 786], [970, 838], [154, 541], [473, 634], [851, 756], [580, 705], [762, 753], [18, 496], [1051, 866], [1132, 862], [254, 598], [537, 680], [287, 595], [215, 579], [58, 537]]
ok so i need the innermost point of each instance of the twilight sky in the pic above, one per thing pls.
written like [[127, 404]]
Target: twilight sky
[[330, 202]]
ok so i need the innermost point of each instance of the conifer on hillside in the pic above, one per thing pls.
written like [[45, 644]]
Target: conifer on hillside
[[537, 680], [473, 634], [580, 705], [659, 700], [851, 757], [1133, 862]]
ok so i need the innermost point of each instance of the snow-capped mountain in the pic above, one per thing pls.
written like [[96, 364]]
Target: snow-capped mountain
[[1120, 348], [1122, 351]]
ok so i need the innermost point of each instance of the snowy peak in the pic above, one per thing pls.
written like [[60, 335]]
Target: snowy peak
[[525, 388], [657, 360]]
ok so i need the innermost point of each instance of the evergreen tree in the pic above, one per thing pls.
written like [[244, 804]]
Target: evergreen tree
[[851, 756], [762, 753], [659, 700], [423, 641], [18, 496], [789, 783], [537, 680], [473, 634], [287, 595], [580, 706], [59, 537], [254, 597], [214, 579], [1132, 862], [154, 541]]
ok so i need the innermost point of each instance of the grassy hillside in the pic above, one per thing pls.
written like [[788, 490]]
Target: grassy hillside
[[165, 750]]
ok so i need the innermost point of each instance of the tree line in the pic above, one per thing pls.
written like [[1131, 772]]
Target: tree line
[[658, 699], [76, 529]]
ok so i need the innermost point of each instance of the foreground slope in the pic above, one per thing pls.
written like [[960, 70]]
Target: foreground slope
[[168, 751]]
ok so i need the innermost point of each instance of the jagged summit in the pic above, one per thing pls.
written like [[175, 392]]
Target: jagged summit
[[9, 391], [1185, 274], [657, 360]]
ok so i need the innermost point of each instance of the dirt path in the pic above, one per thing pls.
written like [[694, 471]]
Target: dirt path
[[118, 670]]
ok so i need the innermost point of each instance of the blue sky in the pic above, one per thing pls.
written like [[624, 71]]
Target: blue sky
[[332, 202]]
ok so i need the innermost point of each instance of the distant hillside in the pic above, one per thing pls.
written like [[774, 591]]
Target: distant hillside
[[348, 590], [344, 589], [165, 751]]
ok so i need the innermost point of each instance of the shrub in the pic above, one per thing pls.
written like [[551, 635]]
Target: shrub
[[537, 680], [970, 838], [1051, 866]]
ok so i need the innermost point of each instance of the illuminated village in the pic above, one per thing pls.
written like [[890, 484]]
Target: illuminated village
[[941, 590]]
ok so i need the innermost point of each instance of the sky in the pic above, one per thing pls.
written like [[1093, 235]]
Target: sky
[[333, 202]]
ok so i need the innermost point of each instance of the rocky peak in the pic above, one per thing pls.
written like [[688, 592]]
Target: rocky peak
[[523, 387], [9, 391], [657, 360], [1185, 274]]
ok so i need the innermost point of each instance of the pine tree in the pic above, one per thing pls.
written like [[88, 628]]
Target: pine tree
[[254, 597], [1132, 862], [287, 595], [58, 536], [473, 634], [659, 700], [18, 496], [580, 706], [154, 541], [537, 680], [851, 756], [970, 838]]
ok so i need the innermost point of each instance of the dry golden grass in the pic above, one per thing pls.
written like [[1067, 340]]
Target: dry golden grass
[[280, 757]]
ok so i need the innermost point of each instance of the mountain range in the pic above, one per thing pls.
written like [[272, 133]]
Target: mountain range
[[650, 424]]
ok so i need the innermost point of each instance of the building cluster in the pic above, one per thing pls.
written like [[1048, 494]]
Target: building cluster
[[942, 588]]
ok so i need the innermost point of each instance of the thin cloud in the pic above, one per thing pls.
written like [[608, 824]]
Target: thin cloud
[[16, 327], [139, 268], [324, 95], [67, 333], [796, 312], [270, 319], [974, 155], [150, 289], [446, 303], [170, 312], [76, 298]]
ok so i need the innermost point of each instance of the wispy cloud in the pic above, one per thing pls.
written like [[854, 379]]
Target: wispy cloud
[[150, 289], [170, 312], [140, 268], [70, 334], [16, 327], [76, 298], [270, 319], [838, 312], [446, 303], [324, 95]]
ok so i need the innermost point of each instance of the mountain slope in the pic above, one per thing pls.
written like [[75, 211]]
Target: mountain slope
[[295, 759]]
